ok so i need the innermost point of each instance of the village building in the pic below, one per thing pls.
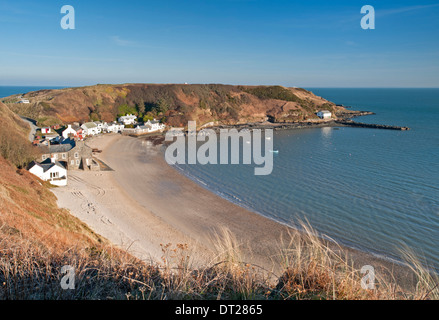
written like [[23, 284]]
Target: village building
[[73, 131], [26, 101], [101, 126], [50, 170], [142, 129], [90, 129], [53, 137], [129, 119], [155, 125], [148, 127], [114, 127], [74, 155], [324, 114]]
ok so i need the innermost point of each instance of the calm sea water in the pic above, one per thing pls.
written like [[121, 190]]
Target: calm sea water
[[370, 189], [6, 91]]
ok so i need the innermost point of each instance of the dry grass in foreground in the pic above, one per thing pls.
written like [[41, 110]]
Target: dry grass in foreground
[[311, 271]]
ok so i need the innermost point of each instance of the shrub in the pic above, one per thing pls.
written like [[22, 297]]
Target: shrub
[[272, 92]]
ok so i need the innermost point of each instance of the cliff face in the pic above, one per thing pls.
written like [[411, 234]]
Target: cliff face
[[175, 104]]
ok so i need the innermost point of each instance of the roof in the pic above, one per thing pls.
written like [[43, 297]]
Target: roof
[[128, 116], [90, 125], [58, 148], [46, 165], [325, 111]]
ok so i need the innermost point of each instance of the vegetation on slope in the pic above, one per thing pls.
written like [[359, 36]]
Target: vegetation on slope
[[273, 92], [14, 144], [174, 104]]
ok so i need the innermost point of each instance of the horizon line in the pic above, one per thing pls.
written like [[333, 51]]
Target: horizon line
[[169, 83]]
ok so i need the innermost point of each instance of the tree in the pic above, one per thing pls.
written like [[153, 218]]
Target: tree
[[141, 107], [125, 109], [94, 116], [147, 117], [162, 106]]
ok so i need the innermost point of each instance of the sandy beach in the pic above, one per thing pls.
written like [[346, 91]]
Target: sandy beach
[[144, 203]]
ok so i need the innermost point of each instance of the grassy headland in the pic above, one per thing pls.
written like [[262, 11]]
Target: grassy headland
[[174, 104]]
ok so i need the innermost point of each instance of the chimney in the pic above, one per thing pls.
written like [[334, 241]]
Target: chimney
[[52, 158]]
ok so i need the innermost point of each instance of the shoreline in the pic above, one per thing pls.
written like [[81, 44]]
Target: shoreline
[[161, 205], [343, 119], [377, 255]]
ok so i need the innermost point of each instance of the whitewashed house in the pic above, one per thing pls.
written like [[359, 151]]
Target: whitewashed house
[[101, 126], [324, 114], [115, 127], [26, 101], [90, 129], [69, 132], [50, 170], [155, 125], [149, 127], [142, 129], [72, 131], [128, 119]]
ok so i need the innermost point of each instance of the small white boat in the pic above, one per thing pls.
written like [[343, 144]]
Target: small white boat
[[274, 151]]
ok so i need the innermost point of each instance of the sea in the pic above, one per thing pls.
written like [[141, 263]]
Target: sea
[[369, 189], [373, 190], [6, 91]]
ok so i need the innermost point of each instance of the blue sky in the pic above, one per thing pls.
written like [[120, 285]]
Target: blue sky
[[290, 43]]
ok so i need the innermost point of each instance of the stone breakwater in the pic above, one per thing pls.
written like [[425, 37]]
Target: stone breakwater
[[302, 125], [343, 120], [351, 123]]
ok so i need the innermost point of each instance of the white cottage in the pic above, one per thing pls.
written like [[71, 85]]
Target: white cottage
[[50, 170], [69, 131], [101, 126], [115, 127], [324, 114], [90, 129], [128, 119], [155, 125]]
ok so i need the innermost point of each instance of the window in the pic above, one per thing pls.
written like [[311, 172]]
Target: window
[[77, 162], [56, 156], [64, 156], [76, 155], [44, 157], [72, 162]]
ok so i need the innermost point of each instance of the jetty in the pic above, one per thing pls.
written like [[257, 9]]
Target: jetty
[[308, 124], [351, 123]]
